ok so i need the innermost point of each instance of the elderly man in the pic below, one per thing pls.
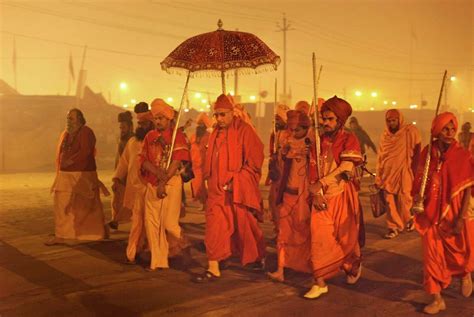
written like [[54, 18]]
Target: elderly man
[[447, 223], [163, 189], [275, 164], [127, 178], [398, 151], [335, 218], [294, 210], [77, 206], [233, 170], [465, 137]]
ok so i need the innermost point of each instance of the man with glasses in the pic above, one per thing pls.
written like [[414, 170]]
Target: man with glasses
[[233, 169]]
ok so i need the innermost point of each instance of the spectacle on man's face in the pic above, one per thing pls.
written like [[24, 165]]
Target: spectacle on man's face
[[223, 117]]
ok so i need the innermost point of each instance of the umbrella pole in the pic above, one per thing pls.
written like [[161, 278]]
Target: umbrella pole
[[175, 130], [223, 81]]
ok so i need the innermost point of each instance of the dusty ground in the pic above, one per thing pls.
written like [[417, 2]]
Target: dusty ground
[[89, 279]]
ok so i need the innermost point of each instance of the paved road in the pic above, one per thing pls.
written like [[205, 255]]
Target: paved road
[[89, 279]]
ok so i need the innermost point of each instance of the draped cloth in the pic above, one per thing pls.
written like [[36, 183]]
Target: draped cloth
[[294, 231], [233, 170], [198, 156], [77, 205], [335, 231], [445, 254], [398, 153]]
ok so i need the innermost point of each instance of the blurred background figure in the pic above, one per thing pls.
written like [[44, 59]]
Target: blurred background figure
[[362, 136]]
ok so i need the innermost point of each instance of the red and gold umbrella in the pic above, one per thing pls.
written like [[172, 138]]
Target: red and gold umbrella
[[216, 52]]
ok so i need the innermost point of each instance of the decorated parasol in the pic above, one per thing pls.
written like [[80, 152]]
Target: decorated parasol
[[215, 53]]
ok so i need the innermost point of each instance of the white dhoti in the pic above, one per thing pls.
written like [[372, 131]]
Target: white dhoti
[[77, 206], [162, 221]]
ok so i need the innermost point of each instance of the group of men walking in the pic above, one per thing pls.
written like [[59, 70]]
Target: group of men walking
[[313, 199]]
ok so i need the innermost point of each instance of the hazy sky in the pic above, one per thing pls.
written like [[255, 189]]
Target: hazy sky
[[363, 45]]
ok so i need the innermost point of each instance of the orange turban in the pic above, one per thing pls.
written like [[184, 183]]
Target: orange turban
[[298, 118], [159, 106], [282, 112], [341, 108], [302, 106], [144, 116], [223, 102], [441, 121], [202, 117]]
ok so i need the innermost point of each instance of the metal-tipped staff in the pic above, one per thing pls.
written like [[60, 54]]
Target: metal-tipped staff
[[418, 207]]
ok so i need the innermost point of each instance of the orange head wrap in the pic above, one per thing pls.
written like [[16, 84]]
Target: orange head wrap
[[298, 118], [159, 106], [223, 102], [392, 113], [302, 106], [441, 121], [341, 108]]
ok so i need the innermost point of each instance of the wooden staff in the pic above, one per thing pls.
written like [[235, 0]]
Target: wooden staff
[[418, 207], [275, 146], [316, 117]]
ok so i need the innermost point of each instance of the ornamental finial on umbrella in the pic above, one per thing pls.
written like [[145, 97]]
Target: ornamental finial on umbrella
[[220, 24]]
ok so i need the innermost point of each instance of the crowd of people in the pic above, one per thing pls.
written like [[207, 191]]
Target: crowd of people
[[313, 196]]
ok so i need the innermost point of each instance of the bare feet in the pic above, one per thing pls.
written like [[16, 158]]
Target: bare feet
[[276, 276]]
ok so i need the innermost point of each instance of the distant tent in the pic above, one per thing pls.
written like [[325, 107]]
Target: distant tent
[[6, 89]]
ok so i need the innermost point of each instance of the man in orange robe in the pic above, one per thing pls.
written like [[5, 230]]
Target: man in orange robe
[[164, 185], [294, 210], [127, 176], [447, 223], [335, 216], [77, 206], [198, 154], [399, 149], [275, 164], [233, 169]]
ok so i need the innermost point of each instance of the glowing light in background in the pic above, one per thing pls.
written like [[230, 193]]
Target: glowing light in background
[[186, 110], [125, 106], [169, 99], [414, 122], [372, 108], [374, 94], [231, 92], [394, 103], [133, 101], [413, 106], [385, 102], [453, 78], [358, 93], [197, 95], [204, 100], [253, 98], [123, 85]]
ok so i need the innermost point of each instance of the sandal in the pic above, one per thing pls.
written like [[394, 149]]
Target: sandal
[[392, 233], [205, 277]]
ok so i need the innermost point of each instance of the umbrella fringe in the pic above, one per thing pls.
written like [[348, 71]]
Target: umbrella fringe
[[211, 73]]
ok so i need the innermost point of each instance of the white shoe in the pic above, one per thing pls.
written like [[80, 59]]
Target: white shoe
[[352, 279], [316, 291]]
